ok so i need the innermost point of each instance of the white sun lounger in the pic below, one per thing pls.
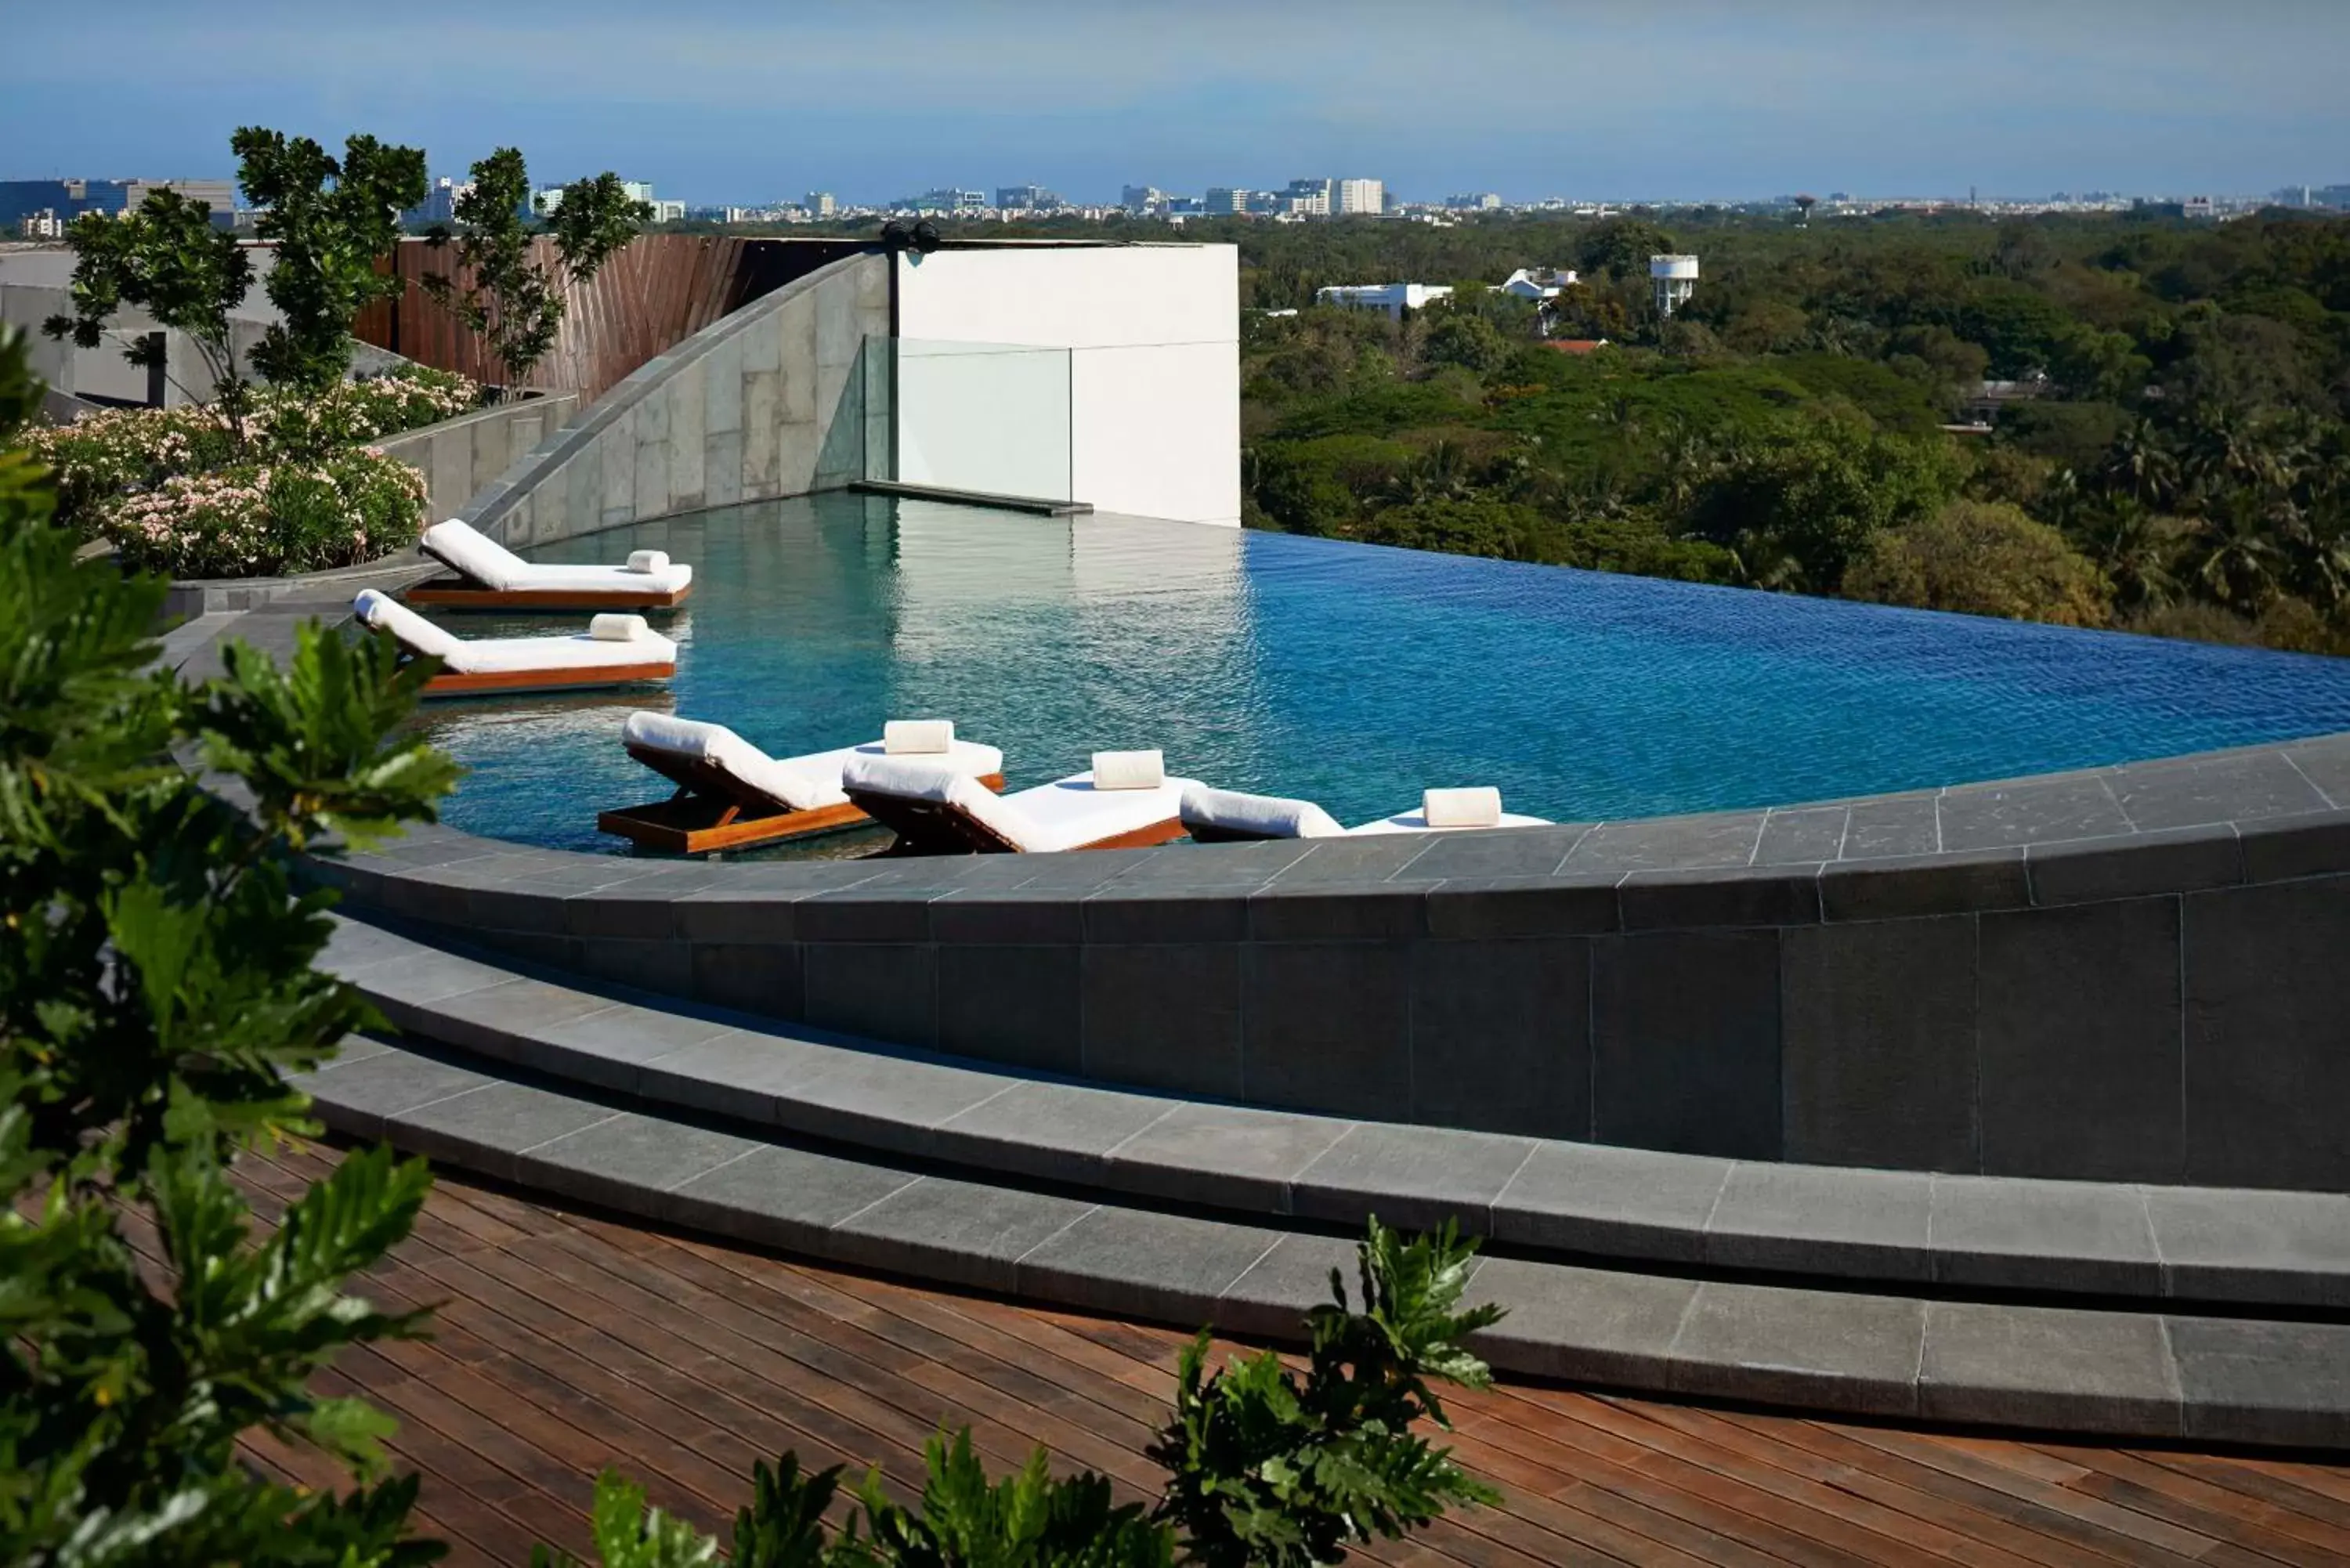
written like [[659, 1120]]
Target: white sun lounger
[[731, 794], [491, 576], [613, 650], [934, 810], [1230, 817]]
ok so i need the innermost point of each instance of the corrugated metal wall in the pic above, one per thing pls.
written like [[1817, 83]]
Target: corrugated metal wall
[[654, 294]]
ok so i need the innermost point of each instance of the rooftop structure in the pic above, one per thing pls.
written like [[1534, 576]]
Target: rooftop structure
[[1538, 283], [1393, 298], [1674, 279]]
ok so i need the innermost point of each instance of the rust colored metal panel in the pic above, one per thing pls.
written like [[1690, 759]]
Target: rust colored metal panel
[[656, 291]]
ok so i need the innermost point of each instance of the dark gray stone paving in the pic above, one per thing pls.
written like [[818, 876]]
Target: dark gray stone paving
[[1849, 1353], [2080, 1236], [1136, 1263], [1805, 1219], [1420, 1177], [1998, 1367], [1236, 1156]]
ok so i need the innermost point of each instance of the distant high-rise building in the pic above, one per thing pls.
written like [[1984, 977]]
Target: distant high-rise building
[[64, 200], [1310, 198], [1225, 199], [666, 211], [946, 199], [1362, 196], [1142, 199], [1674, 278], [1026, 199], [1474, 201], [440, 205], [822, 204]]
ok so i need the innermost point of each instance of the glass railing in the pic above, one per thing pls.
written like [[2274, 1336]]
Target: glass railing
[[992, 419]]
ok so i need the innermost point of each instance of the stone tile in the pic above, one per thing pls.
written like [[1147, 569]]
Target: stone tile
[[606, 1047], [661, 965], [2045, 1367], [1994, 817], [352, 945], [780, 1197], [1588, 1325], [2080, 1049], [2269, 1247], [621, 1161], [741, 1074], [1877, 1067], [1501, 1036], [1271, 1298], [1123, 912], [362, 1094], [1416, 1177], [1006, 916], [2176, 861], [1053, 1132], [1816, 1220], [1901, 887], [500, 1020], [1733, 896], [1355, 860], [756, 978], [1137, 1263], [1242, 866], [722, 467], [1473, 908], [1234, 1156], [1819, 1349], [2011, 1232], [1802, 836], [1501, 852], [1611, 1202], [425, 978], [2246, 1381], [1684, 1042], [871, 912], [484, 1130], [1326, 1026], [1165, 1017], [1722, 839], [883, 1100], [2266, 1074], [615, 456], [1014, 1005], [878, 989], [762, 432], [1278, 914], [688, 422], [2324, 762], [722, 388], [2237, 787], [2279, 848], [954, 1232]]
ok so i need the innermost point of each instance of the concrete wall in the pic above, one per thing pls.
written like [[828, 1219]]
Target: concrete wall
[[1153, 335], [766, 402], [34, 284], [461, 457]]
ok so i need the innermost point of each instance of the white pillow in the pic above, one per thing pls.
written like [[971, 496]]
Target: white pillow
[[1129, 770], [618, 628], [1479, 807], [648, 561], [914, 737]]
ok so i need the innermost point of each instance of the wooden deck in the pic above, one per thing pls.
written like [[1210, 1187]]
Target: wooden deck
[[567, 1343]]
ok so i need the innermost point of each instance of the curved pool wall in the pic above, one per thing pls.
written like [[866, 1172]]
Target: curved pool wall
[[2130, 973]]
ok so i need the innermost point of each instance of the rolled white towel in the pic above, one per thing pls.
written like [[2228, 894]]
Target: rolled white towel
[[648, 561], [917, 737], [618, 628], [1479, 807], [1129, 770], [1255, 815]]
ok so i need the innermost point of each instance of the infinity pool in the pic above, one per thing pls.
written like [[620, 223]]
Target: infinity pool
[[1349, 674]]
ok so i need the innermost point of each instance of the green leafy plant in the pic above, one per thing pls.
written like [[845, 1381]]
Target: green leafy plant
[[333, 220], [502, 290], [156, 988], [1266, 1466], [168, 260]]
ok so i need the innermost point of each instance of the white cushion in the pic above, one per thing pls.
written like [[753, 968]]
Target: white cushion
[[1256, 816], [1478, 808], [382, 612], [493, 566], [618, 628], [648, 560], [1064, 815], [503, 655], [1129, 770], [804, 783], [917, 737]]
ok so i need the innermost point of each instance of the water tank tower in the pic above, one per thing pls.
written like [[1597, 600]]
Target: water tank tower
[[1674, 278]]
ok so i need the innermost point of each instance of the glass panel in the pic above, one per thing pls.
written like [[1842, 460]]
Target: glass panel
[[988, 417]]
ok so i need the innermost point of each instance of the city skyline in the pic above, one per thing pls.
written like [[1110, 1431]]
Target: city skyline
[[726, 103]]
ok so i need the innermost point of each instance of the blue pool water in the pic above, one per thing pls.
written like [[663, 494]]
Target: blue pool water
[[1349, 674]]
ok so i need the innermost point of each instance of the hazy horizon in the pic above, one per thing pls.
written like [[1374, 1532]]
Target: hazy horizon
[[722, 100]]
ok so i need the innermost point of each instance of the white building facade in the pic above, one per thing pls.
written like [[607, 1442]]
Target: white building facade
[[1362, 197], [1390, 298]]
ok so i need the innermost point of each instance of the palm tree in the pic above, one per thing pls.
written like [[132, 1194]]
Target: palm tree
[[2234, 552], [2142, 467], [2134, 548]]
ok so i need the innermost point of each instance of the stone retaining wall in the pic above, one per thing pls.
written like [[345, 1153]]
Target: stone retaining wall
[[462, 456]]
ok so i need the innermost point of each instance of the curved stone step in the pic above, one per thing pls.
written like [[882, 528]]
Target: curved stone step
[[2286, 1251], [2143, 1374]]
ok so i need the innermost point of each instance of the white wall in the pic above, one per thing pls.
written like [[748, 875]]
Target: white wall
[[1154, 374]]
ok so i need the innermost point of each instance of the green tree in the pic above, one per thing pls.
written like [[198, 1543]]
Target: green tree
[[514, 301], [168, 259], [1982, 558], [1465, 338], [333, 221], [155, 986], [1264, 1466]]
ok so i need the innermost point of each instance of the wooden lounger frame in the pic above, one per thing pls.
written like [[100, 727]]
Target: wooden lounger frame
[[712, 810], [461, 593], [935, 827], [449, 683]]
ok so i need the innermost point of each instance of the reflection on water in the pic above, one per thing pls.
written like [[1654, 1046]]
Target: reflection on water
[[1348, 674]]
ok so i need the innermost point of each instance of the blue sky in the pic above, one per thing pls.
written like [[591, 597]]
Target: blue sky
[[722, 100]]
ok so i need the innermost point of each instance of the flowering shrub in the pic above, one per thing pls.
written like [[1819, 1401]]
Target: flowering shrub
[[263, 519], [155, 480]]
